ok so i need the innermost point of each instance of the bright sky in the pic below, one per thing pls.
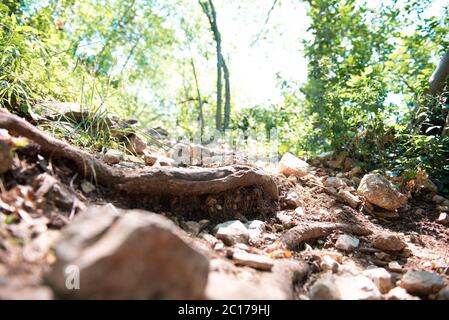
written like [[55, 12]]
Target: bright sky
[[254, 68]]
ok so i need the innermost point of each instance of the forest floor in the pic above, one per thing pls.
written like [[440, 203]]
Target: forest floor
[[33, 213]]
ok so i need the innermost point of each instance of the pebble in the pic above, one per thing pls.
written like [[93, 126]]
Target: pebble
[[347, 243]]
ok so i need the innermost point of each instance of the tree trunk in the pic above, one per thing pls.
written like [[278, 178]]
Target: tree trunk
[[200, 100], [227, 106], [439, 76]]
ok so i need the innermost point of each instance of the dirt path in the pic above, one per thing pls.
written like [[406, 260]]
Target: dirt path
[[42, 195]]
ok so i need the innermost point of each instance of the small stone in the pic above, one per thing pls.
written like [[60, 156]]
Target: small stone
[[335, 182], [136, 144], [87, 187], [380, 277], [219, 246], [421, 282], [344, 287], [286, 220], [253, 260], [389, 242], [209, 238], [113, 156], [291, 165], [192, 227], [443, 218], [347, 243], [255, 230], [399, 293], [164, 162], [150, 159], [329, 264], [232, 232], [299, 211], [293, 200], [381, 192], [394, 266]]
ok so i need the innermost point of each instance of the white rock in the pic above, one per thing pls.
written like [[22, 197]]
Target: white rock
[[87, 187], [286, 220], [443, 218], [380, 277], [329, 264], [394, 266], [113, 156], [232, 232], [347, 243], [421, 282], [399, 293], [379, 191], [255, 230], [291, 165], [344, 287], [252, 260]]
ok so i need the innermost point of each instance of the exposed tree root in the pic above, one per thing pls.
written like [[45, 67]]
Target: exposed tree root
[[308, 231], [149, 180]]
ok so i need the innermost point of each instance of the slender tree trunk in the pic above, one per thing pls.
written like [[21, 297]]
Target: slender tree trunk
[[209, 10], [439, 76], [200, 100], [227, 105]]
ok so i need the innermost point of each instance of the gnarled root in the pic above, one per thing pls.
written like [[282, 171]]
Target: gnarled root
[[149, 180]]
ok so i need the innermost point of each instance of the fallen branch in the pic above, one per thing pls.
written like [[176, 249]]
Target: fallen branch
[[149, 180]]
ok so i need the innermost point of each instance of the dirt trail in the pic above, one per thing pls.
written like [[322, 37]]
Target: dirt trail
[[40, 195]]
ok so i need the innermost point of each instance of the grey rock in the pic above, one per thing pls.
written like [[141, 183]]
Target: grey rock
[[347, 243], [232, 232], [131, 254], [421, 282]]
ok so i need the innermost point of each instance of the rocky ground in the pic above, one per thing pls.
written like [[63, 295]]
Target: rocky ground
[[335, 233]]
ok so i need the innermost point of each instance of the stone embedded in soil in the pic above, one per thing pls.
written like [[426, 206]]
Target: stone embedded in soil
[[421, 282], [136, 144], [379, 191], [394, 266], [286, 220], [329, 264], [255, 230], [389, 242], [292, 199], [347, 243], [150, 159], [128, 254], [291, 165], [399, 293], [380, 277], [87, 187], [113, 156], [232, 232], [443, 218], [335, 182], [344, 287], [252, 260], [6, 158]]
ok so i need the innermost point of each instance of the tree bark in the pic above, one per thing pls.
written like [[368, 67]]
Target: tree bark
[[439, 76], [200, 100], [227, 106], [148, 180]]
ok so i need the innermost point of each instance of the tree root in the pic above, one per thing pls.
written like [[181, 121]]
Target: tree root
[[149, 180], [308, 231]]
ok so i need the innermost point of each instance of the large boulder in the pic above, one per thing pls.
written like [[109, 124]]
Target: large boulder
[[377, 190], [131, 254], [292, 165]]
